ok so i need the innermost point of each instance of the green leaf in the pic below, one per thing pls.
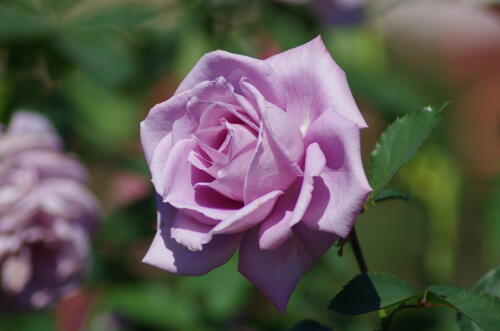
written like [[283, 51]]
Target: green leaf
[[370, 292], [490, 282], [443, 290], [389, 194], [310, 325], [399, 142], [482, 308]]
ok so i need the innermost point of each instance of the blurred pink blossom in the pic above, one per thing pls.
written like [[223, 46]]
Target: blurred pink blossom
[[335, 12], [46, 215]]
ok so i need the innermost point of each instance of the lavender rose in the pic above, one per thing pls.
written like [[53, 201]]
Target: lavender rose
[[263, 155], [46, 215]]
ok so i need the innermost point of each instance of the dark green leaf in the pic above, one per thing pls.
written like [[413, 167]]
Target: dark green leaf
[[443, 290], [310, 325], [490, 282], [466, 324], [389, 193], [399, 142], [370, 292], [482, 308]]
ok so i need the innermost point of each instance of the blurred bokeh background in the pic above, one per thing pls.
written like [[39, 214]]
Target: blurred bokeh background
[[95, 68]]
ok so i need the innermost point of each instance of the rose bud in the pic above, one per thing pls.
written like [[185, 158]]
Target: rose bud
[[263, 155], [46, 216]]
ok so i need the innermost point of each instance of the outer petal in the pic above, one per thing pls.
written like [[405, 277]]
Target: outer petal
[[159, 122], [161, 118], [341, 190], [25, 122], [165, 253], [233, 67], [158, 164], [312, 83], [29, 130], [277, 272]]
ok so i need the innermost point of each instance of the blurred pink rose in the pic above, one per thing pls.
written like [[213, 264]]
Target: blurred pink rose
[[46, 215], [335, 12], [263, 155]]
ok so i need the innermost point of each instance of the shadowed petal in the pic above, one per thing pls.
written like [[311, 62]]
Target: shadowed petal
[[341, 190], [276, 272], [189, 232], [165, 253]]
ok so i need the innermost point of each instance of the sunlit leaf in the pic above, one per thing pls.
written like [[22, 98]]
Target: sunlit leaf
[[399, 142]]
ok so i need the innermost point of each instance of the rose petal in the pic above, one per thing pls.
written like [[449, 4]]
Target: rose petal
[[190, 233], [315, 163], [249, 215], [342, 188], [273, 167], [230, 179], [180, 189], [68, 199], [291, 207], [287, 138], [312, 83], [30, 123], [278, 226], [161, 118], [277, 272], [232, 67], [50, 163], [157, 166], [16, 272], [165, 253]]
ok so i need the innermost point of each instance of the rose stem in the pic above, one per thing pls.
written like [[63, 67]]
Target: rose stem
[[358, 253]]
